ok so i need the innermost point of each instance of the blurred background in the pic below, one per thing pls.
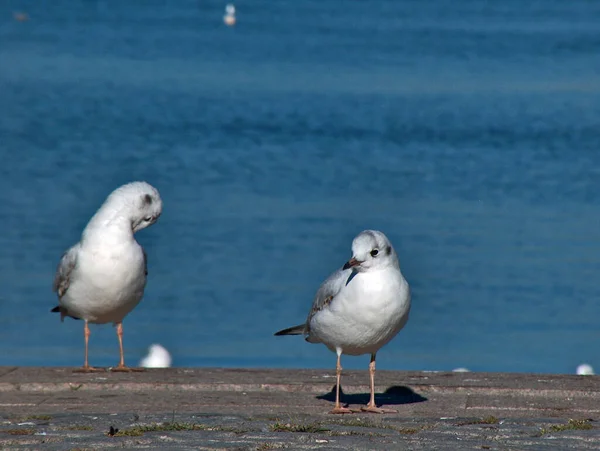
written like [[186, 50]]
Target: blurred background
[[468, 131]]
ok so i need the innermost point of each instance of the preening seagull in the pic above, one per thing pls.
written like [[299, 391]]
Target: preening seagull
[[102, 278]]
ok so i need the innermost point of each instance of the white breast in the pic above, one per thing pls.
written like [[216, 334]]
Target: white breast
[[107, 283], [366, 314]]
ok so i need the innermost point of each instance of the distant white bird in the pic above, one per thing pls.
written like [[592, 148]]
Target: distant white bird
[[359, 308], [158, 357], [102, 278], [229, 17], [461, 370], [585, 370]]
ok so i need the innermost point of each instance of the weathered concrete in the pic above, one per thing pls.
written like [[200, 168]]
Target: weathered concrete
[[210, 408]]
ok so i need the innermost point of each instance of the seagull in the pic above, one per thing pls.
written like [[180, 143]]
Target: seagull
[[102, 278], [359, 308], [229, 17], [158, 357], [585, 369]]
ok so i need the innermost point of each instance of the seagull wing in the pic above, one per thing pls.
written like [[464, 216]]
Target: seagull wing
[[67, 264], [328, 290]]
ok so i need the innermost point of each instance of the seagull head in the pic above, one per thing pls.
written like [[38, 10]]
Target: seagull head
[[371, 249], [138, 201]]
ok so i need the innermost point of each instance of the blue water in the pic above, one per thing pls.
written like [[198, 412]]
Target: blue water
[[467, 131]]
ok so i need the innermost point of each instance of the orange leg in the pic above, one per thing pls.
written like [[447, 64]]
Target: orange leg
[[371, 407], [121, 366], [86, 336], [338, 369]]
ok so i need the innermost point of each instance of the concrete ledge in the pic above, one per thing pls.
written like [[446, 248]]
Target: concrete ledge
[[208, 408]]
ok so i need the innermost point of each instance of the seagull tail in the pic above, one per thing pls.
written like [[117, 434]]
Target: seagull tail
[[296, 330], [63, 313]]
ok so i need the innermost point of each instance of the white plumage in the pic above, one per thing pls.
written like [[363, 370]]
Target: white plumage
[[360, 307], [102, 278], [585, 370], [158, 357]]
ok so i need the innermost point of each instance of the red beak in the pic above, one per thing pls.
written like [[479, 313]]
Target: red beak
[[351, 263]]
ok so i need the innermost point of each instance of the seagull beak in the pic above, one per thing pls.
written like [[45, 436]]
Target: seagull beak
[[351, 263]]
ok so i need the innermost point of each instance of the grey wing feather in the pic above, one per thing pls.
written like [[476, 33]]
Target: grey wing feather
[[329, 290], [62, 279], [325, 294]]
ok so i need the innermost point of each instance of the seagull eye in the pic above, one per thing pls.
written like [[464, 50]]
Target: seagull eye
[[374, 253], [148, 218]]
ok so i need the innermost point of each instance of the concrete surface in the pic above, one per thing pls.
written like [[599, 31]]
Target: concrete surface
[[255, 409]]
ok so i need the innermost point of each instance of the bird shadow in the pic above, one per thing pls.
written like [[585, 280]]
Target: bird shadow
[[394, 395]]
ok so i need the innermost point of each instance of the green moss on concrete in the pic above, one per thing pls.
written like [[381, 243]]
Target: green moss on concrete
[[78, 427], [487, 420], [38, 417], [311, 428], [571, 425], [365, 423], [354, 433], [270, 445], [138, 430]]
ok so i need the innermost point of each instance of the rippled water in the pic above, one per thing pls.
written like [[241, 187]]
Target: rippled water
[[467, 131]]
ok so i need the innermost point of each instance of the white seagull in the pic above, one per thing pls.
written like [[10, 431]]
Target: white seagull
[[585, 369], [102, 278], [229, 17], [158, 357], [359, 308]]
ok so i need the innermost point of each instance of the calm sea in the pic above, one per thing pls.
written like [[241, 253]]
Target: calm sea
[[467, 131]]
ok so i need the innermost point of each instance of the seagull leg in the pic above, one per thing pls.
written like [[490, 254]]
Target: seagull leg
[[338, 369], [121, 366], [86, 367], [371, 407]]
